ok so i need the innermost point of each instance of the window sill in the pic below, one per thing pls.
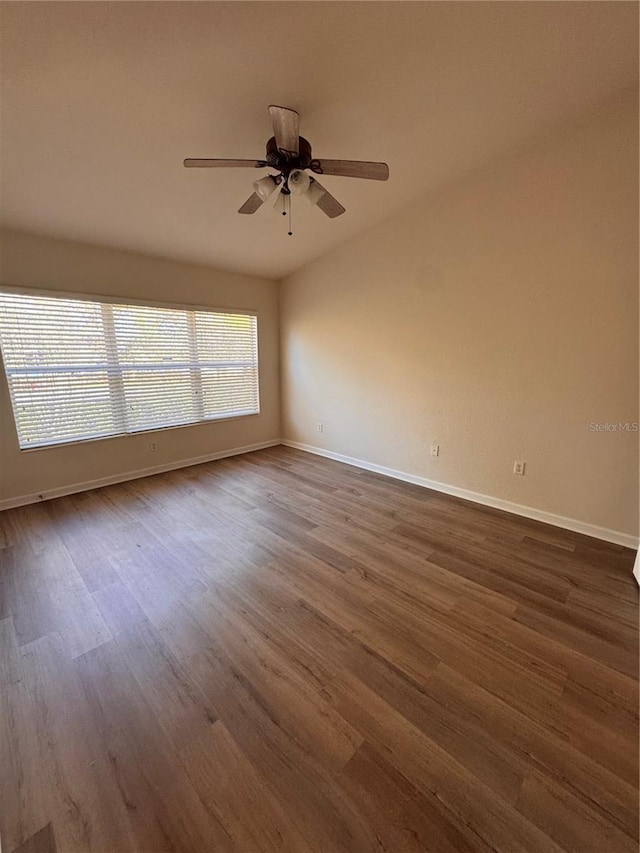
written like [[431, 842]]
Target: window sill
[[152, 431]]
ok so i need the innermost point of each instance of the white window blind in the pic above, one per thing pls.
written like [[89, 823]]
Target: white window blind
[[81, 369]]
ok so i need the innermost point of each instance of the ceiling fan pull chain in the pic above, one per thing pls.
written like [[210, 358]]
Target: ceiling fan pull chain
[[290, 231]]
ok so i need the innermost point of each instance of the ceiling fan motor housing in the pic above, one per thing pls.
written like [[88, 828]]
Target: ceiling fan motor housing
[[286, 162]]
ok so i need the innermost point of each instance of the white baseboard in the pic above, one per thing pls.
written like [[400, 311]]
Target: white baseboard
[[74, 488], [572, 524]]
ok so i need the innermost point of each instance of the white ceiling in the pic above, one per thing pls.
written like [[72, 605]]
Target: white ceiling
[[102, 101]]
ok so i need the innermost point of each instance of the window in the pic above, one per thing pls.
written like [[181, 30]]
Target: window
[[80, 369]]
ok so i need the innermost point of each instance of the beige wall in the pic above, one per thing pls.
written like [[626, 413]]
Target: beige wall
[[31, 261], [498, 319]]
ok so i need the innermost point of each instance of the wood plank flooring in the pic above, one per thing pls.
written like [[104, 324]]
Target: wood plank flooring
[[277, 652]]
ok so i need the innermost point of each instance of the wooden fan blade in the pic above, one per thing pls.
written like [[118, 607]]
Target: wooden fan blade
[[200, 163], [286, 129], [327, 203], [251, 204], [352, 169]]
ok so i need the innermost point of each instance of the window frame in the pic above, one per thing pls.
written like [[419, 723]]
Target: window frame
[[145, 303]]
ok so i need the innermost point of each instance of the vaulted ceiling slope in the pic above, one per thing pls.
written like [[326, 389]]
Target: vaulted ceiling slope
[[102, 101]]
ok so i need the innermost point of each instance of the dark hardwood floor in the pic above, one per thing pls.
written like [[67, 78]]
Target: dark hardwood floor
[[278, 652]]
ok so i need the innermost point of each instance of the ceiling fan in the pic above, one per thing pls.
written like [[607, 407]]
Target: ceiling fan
[[290, 155]]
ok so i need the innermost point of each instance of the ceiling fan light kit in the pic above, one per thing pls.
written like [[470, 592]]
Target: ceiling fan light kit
[[290, 155]]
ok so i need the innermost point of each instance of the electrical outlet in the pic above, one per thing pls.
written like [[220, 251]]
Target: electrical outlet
[[153, 446], [435, 450], [320, 427], [518, 468]]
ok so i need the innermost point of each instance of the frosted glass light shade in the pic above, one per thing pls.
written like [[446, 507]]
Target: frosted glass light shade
[[265, 186], [314, 193], [299, 182], [280, 204]]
